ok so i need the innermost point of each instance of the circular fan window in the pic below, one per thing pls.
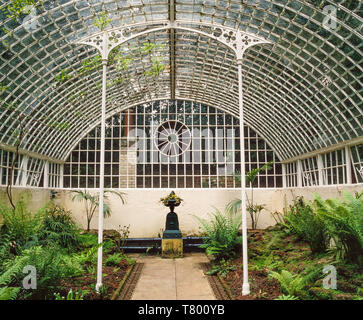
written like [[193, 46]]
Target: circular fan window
[[172, 138]]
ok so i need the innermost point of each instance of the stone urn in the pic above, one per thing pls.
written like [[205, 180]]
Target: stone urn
[[172, 223]]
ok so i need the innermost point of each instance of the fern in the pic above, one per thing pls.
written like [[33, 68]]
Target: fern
[[20, 223], [14, 268], [344, 222], [59, 228], [9, 293], [290, 284], [303, 221], [76, 261], [221, 234], [286, 297], [114, 259]]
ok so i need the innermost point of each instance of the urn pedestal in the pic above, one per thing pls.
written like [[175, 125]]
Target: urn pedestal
[[172, 242]]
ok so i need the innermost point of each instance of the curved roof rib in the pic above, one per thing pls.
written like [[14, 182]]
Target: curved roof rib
[[301, 93]]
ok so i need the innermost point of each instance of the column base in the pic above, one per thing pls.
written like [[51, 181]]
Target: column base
[[245, 289], [172, 248]]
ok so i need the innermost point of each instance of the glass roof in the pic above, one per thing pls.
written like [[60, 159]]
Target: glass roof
[[303, 92]]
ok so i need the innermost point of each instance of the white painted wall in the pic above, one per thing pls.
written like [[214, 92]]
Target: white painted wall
[[146, 215]]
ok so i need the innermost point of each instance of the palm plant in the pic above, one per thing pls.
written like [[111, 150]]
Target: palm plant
[[91, 202], [253, 209]]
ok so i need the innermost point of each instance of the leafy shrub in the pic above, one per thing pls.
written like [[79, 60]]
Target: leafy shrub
[[20, 223], [114, 259], [88, 256], [50, 269], [290, 284], [88, 240], [223, 267], [59, 228], [344, 223], [266, 263], [222, 236], [302, 220]]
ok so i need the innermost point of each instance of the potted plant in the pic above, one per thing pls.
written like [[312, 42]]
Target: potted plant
[[172, 200], [172, 223]]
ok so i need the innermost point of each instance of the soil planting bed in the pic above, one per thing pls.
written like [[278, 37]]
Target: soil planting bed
[[111, 279]]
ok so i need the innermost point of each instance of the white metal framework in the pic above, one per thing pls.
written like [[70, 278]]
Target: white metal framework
[[298, 86], [209, 160], [301, 93]]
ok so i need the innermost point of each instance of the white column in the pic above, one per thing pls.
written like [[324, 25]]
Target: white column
[[320, 170], [245, 286], [24, 171], [61, 175], [102, 167], [46, 174], [299, 173], [284, 175], [348, 165]]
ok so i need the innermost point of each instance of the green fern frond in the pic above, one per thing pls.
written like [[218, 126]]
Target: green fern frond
[[9, 293]]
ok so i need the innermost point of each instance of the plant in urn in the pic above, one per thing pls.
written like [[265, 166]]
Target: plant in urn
[[172, 224]]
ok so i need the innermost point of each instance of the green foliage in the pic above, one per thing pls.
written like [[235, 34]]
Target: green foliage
[[91, 64], [221, 234], [72, 295], [19, 222], [88, 240], [266, 263], [171, 196], [9, 293], [124, 235], [3, 88], [122, 62], [222, 267], [92, 202], [319, 221], [302, 220], [101, 292], [50, 269], [102, 21], [59, 228], [253, 174], [88, 256], [344, 223], [114, 259], [253, 209], [18, 7], [290, 284], [60, 125], [286, 297], [157, 67], [13, 268], [63, 75]]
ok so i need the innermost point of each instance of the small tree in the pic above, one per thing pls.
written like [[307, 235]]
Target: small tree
[[92, 203], [253, 209]]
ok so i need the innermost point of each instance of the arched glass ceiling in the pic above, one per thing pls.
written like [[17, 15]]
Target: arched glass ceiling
[[301, 93]]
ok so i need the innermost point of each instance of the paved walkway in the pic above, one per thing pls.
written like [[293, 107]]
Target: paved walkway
[[173, 279]]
